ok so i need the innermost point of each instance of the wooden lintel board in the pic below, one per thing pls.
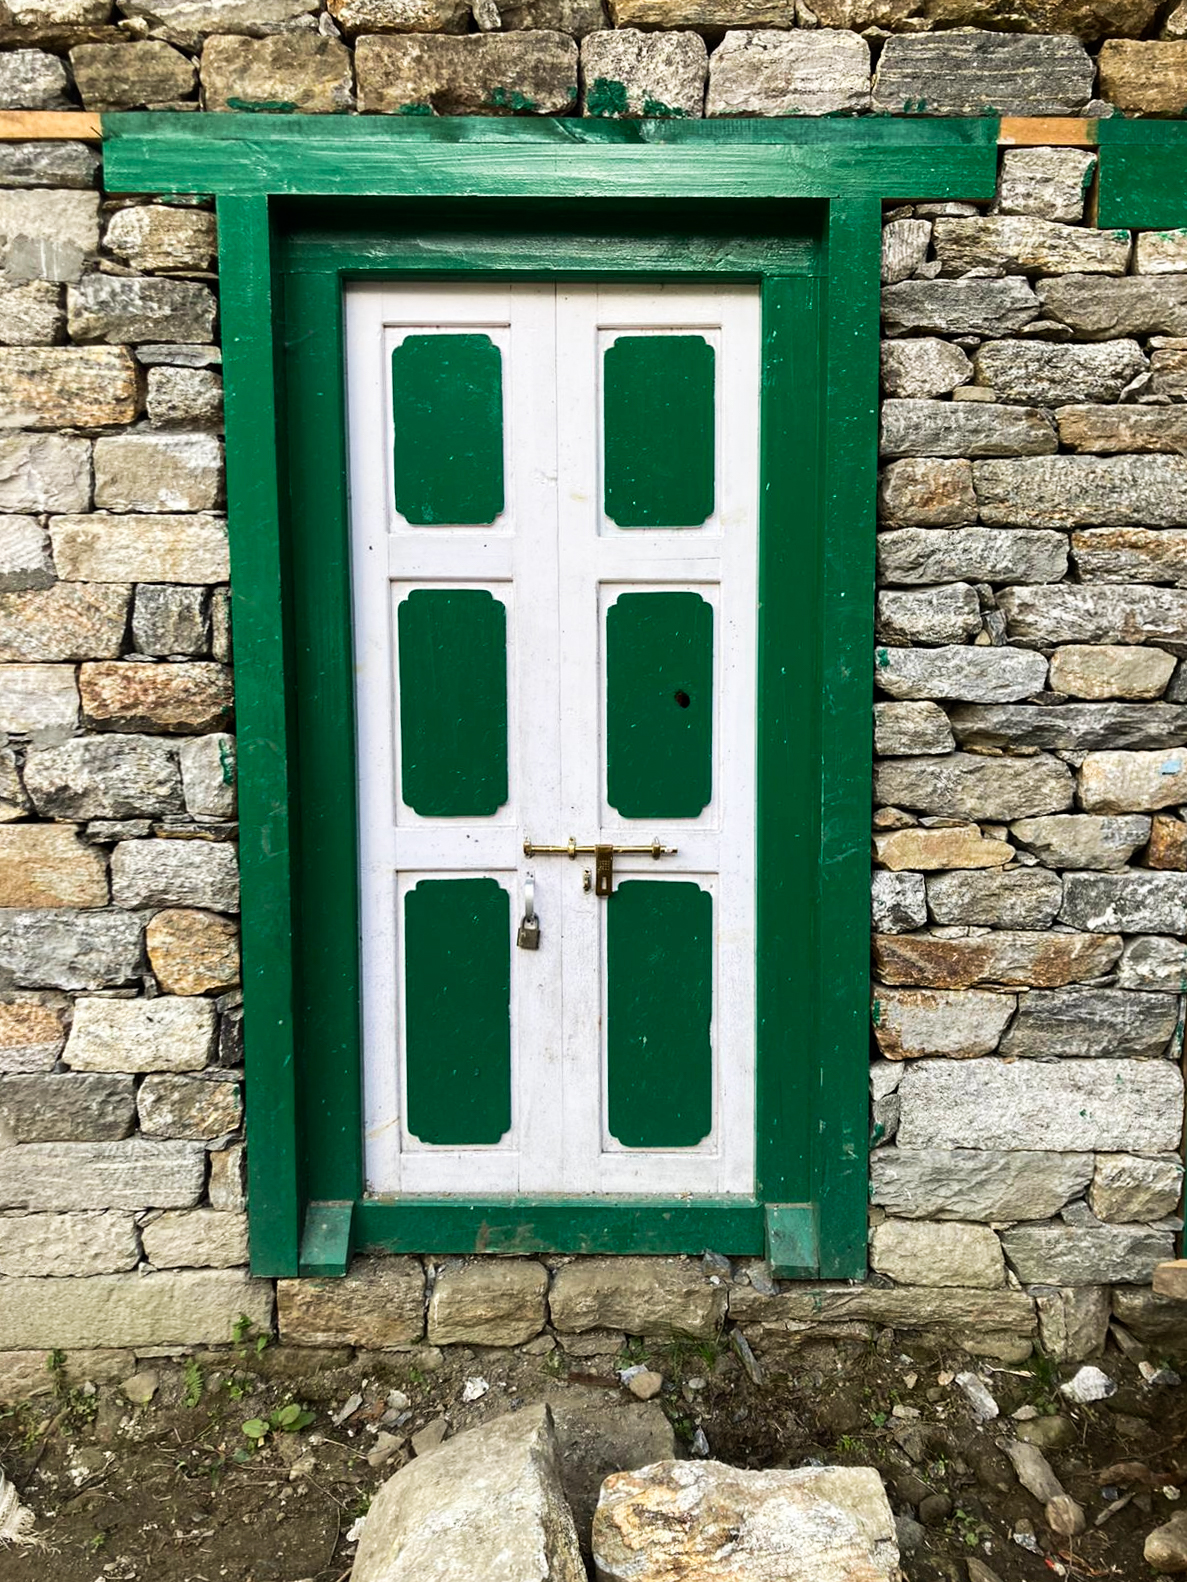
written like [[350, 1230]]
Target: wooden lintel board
[[1047, 131], [31, 126]]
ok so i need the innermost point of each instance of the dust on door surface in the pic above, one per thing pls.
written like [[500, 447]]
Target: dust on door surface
[[553, 503]]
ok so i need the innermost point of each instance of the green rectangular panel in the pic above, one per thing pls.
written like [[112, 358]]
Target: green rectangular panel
[[659, 1054], [658, 428], [447, 407], [453, 702], [457, 1010], [659, 705]]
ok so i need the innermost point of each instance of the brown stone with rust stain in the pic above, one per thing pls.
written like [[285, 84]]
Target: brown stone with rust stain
[[192, 951], [70, 620], [380, 1304], [183, 698], [53, 387], [1087, 19], [1042, 960], [1145, 75], [1168, 844], [49, 865], [32, 1034]]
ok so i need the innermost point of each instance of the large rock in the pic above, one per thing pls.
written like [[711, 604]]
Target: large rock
[[63, 949], [1075, 491], [923, 367], [683, 1519], [975, 1183], [1029, 959], [31, 314], [168, 1033], [1072, 1106], [1165, 1548], [169, 621], [1101, 670], [401, 16], [970, 73], [1128, 1188], [1045, 374], [971, 554], [117, 308], [702, 13], [25, 560], [965, 428], [965, 785], [145, 471], [188, 22], [1022, 244], [1073, 1326], [44, 472], [48, 164], [286, 71], [931, 615], [1110, 430], [30, 79], [1168, 844], [1156, 1320], [1160, 252], [625, 72], [1091, 1022], [926, 491], [193, 952], [643, 1296], [185, 398], [1086, 1254], [1098, 308], [491, 1302], [133, 76], [200, 1238], [32, 1032], [959, 307], [1129, 903], [40, 1107], [947, 846], [1021, 898], [1074, 727], [186, 1307], [1169, 369], [908, 729], [113, 777], [1131, 554], [1087, 19], [1153, 963], [47, 235], [1122, 782], [50, 865], [959, 1024], [69, 620], [898, 902], [188, 1107], [379, 1304], [175, 873], [488, 1503], [48, 1245], [905, 245], [156, 236], [789, 73], [158, 547], [185, 699], [981, 675], [949, 1254], [1047, 182], [137, 1174], [1145, 76], [476, 74], [1093, 613]]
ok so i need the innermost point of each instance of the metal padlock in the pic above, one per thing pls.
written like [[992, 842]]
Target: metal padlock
[[528, 937]]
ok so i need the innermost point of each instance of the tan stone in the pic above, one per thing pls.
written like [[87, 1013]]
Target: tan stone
[[1107, 670], [192, 951], [641, 1296], [200, 1238], [492, 1302], [52, 387], [293, 71], [1112, 430], [1143, 75], [378, 1305], [153, 547], [1170, 1279], [400, 16], [1136, 782], [1168, 844], [703, 13], [32, 1034], [26, 1373], [959, 1024], [950, 1254], [1044, 960], [184, 698], [189, 1108], [1087, 19], [926, 850], [476, 74], [50, 865], [165, 1034], [153, 236], [186, 1307], [927, 491], [71, 620], [227, 1190], [67, 1244]]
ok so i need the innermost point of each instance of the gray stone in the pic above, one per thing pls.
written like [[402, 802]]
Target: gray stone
[[935, 615], [642, 1296], [945, 1254], [228, 1179], [1082, 840], [970, 73], [1074, 727], [52, 948], [168, 619], [989, 675], [136, 1174], [380, 1305], [904, 247], [1154, 963], [898, 902], [965, 428], [119, 308], [1131, 554], [105, 777], [1020, 898], [975, 1183], [53, 387], [402, 16], [48, 1245], [158, 236], [1161, 252], [38, 701], [1073, 1323], [1075, 491], [487, 1502], [25, 559], [1094, 613], [1169, 370], [1121, 782], [910, 1024], [964, 785], [1099, 308], [1109, 430], [926, 492], [789, 73], [625, 72], [924, 367], [1021, 244], [153, 356], [168, 1033], [200, 1238], [47, 164], [973, 554], [32, 80], [157, 547], [46, 15], [1086, 1255], [67, 620], [290, 71], [1091, 1023], [491, 1302], [1155, 1320], [477, 74], [1052, 375], [188, 22], [959, 307], [44, 472], [175, 873], [576, 17], [166, 472], [1102, 670], [14, 803], [1048, 182], [908, 729], [188, 1107], [60, 1107], [1127, 1188], [1129, 903], [185, 397], [1011, 957], [32, 314], [208, 776], [185, 1307], [1073, 1106], [131, 76]]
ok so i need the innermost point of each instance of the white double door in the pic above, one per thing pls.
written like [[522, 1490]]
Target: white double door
[[566, 665]]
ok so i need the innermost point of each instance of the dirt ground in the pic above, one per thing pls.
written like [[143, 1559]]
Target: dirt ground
[[175, 1490]]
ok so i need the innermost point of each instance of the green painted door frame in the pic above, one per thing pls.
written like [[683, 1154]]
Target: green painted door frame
[[305, 203]]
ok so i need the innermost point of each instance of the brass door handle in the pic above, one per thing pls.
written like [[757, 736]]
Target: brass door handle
[[603, 854]]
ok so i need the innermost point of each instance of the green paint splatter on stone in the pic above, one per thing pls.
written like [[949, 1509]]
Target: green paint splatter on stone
[[511, 99], [876, 1013], [606, 98], [224, 758], [264, 106], [415, 109], [881, 658], [662, 111]]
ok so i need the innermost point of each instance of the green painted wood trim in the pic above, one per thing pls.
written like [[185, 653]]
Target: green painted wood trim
[[1142, 174], [327, 1240], [793, 1240]]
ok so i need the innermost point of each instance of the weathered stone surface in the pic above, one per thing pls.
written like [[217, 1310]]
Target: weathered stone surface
[[188, 22], [379, 1304], [975, 1183], [477, 74], [959, 1024], [972, 554], [14, 803], [1123, 782], [208, 776], [934, 615], [964, 428], [1073, 1106], [926, 492], [576, 17], [1127, 1188], [959, 307], [1047, 182], [987, 675], [105, 777], [1073, 1324], [1168, 367], [1091, 1023], [50, 949], [199, 1238], [1160, 252], [642, 1296], [147, 471], [1100, 308], [1021, 244], [1074, 491], [1022, 898], [789, 73], [1086, 1255], [945, 1254], [905, 245], [155, 236], [1087, 19], [1108, 671], [1052, 375], [1031, 959], [1154, 963], [487, 1503], [814, 1521], [1144, 75], [32, 80], [927, 850], [168, 1033], [31, 314], [175, 873], [23, 1374], [25, 559], [965, 785], [186, 698], [36, 1107], [493, 1302], [193, 952], [48, 164], [185, 1307], [46, 1245], [1168, 844], [907, 729], [898, 903], [1075, 840], [131, 76], [119, 308], [289, 71], [1109, 430], [45, 15], [68, 620], [169, 619], [38, 701], [44, 472], [1131, 903], [228, 1179], [32, 1033], [1075, 727], [1131, 554], [145, 548], [401, 16], [970, 73], [1094, 613], [625, 72], [52, 387], [50, 865], [1165, 1548], [924, 367], [1155, 1320], [185, 398], [967, 1317], [136, 1174], [47, 235], [702, 13], [188, 1107]]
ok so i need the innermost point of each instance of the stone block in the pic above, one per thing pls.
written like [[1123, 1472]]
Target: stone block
[[1122, 782], [1090, 1023], [169, 619], [50, 865], [1073, 1321], [286, 71], [971, 554], [32, 1033], [208, 776], [161, 547], [24, 1374], [905, 245], [1021, 898], [1086, 1254], [975, 1183], [1109, 430], [30, 79], [136, 1174], [932, 615], [1155, 1320], [1127, 1188], [1110, 671], [1071, 727], [406, 16], [185, 1307], [46, 15], [1145, 76], [928, 850], [984, 675], [1048, 374], [1072, 1106], [68, 620], [641, 1296], [926, 492], [148, 471], [924, 367], [185, 397], [1168, 366], [184, 698], [946, 1254], [32, 314], [476, 74], [1160, 252], [1047, 182], [1131, 554], [25, 559], [970, 786], [1094, 613], [188, 22], [1075, 491], [625, 72], [157, 236], [789, 73], [911, 1024], [50, 949], [46, 235], [1168, 844], [38, 701], [134, 76], [60, 1107], [48, 164], [970, 73], [1170, 1279], [1100, 308], [911, 728], [1133, 902], [1024, 244], [228, 1183], [175, 873], [490, 1302], [115, 777], [193, 952], [958, 307], [1013, 957], [54, 387], [53, 1245], [120, 308], [379, 1304], [964, 428], [703, 13], [14, 803], [168, 1033], [188, 1107], [44, 472], [1153, 963], [199, 1238], [898, 902], [1082, 840]]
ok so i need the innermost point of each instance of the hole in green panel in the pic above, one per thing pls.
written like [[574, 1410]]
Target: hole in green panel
[[457, 1010], [447, 407], [453, 702], [658, 428], [659, 705], [659, 1053]]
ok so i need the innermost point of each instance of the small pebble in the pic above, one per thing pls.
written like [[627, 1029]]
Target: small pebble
[[474, 1389], [935, 1510], [983, 1404], [1088, 1385], [910, 1533], [1153, 1375], [348, 1409], [384, 1449], [646, 1384], [430, 1436], [700, 1445], [398, 1401], [141, 1387], [1064, 1516]]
